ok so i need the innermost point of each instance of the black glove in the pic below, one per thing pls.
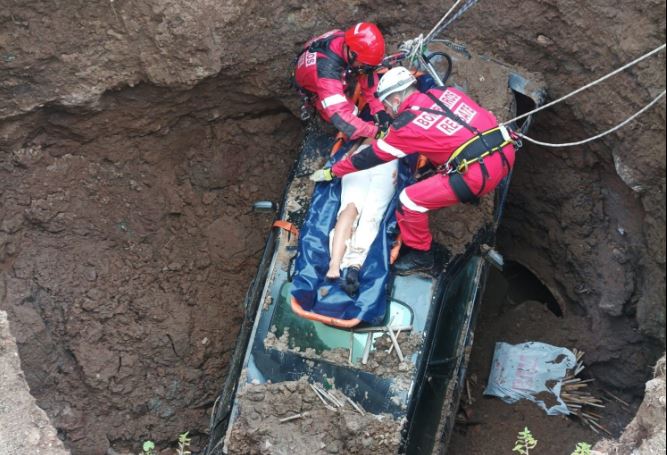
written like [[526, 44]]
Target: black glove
[[383, 120]]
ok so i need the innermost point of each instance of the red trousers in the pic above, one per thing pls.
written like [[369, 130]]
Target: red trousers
[[436, 192]]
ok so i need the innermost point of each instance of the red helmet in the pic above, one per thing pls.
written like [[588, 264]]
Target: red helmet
[[367, 42]]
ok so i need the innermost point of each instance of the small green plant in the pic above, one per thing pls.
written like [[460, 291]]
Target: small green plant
[[149, 448], [582, 449], [184, 444], [525, 442]]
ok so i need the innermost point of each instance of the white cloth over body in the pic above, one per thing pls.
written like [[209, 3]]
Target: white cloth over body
[[371, 191]]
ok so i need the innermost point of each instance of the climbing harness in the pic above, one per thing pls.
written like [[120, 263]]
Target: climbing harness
[[321, 46], [350, 73], [475, 150]]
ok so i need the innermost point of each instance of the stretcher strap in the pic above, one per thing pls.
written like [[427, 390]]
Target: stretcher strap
[[286, 225]]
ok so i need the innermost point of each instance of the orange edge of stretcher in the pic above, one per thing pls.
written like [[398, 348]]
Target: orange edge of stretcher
[[341, 323]]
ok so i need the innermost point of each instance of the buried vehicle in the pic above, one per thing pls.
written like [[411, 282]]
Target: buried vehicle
[[302, 383]]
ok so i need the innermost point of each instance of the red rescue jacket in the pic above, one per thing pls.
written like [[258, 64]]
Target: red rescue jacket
[[435, 136], [324, 77]]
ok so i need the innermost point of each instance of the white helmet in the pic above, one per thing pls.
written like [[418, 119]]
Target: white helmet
[[394, 80]]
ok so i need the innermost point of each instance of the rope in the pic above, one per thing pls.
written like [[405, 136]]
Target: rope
[[414, 47], [613, 73], [435, 30], [598, 136], [458, 14]]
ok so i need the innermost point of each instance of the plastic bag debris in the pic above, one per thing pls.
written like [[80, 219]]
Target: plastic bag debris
[[533, 371]]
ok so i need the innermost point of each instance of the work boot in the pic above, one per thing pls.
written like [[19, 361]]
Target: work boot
[[413, 261], [351, 284]]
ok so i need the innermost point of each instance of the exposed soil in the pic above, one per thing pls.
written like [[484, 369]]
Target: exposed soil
[[25, 427], [381, 362], [259, 430], [488, 425], [134, 135], [645, 435], [125, 259]]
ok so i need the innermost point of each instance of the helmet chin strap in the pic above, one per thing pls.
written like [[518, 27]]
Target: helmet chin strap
[[351, 56], [395, 107]]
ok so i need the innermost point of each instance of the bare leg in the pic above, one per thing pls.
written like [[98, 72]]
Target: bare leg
[[342, 233]]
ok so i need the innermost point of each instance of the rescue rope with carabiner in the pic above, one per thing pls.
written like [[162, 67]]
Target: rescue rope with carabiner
[[414, 47]]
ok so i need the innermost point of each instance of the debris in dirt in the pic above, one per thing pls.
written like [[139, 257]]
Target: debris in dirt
[[273, 419], [576, 396], [380, 359], [624, 403], [514, 324], [536, 371], [294, 417], [394, 344]]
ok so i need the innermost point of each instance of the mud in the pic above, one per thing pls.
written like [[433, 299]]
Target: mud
[[259, 429], [380, 361], [106, 179], [507, 316], [125, 259]]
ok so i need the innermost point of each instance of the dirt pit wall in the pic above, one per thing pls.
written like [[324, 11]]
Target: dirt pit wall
[[127, 246], [589, 221], [645, 435], [124, 217]]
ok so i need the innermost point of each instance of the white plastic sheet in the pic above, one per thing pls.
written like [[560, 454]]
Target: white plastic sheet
[[526, 370]]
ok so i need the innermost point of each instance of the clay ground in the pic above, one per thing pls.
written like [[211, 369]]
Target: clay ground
[[488, 425], [134, 135], [127, 259]]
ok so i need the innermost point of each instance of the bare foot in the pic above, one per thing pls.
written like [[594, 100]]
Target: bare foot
[[334, 272]]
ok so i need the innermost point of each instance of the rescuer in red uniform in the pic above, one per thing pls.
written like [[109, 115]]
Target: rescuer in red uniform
[[325, 68], [463, 139]]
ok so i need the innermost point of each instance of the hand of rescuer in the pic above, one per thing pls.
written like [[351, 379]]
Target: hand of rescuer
[[322, 175], [383, 121]]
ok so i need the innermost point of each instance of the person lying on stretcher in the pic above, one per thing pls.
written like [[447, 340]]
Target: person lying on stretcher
[[365, 196]]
